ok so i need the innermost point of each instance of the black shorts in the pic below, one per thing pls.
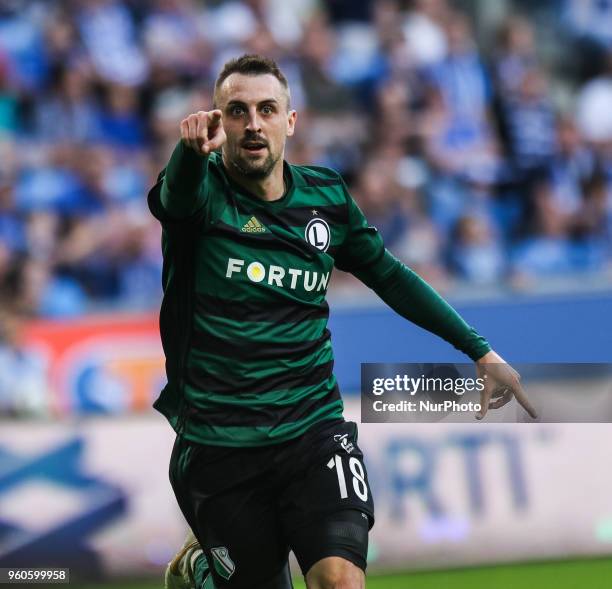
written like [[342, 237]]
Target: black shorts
[[249, 506]]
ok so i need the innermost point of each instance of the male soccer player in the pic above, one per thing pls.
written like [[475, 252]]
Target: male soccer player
[[264, 461]]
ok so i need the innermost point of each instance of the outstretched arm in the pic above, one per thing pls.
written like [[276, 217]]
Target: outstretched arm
[[364, 255], [411, 297], [182, 188]]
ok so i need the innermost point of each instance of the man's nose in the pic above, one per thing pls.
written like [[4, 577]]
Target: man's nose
[[253, 124]]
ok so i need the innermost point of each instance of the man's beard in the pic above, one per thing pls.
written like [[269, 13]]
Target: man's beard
[[253, 169]]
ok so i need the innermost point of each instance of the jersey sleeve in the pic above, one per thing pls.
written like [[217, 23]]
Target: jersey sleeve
[[363, 254], [181, 191]]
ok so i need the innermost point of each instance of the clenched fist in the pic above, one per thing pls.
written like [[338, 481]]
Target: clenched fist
[[203, 131]]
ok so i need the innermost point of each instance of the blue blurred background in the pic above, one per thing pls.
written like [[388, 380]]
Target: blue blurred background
[[476, 135]]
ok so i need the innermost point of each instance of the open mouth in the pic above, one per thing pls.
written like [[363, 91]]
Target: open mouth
[[254, 146]]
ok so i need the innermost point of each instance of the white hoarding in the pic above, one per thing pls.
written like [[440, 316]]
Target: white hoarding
[[97, 491]]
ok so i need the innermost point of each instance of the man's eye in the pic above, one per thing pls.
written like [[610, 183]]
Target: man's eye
[[237, 111], [267, 110]]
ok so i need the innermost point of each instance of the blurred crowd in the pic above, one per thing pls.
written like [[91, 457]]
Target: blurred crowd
[[452, 139]]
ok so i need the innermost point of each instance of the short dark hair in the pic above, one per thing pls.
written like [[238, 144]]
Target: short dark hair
[[251, 65]]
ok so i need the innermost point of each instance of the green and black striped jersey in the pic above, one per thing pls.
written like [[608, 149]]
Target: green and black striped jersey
[[244, 318]]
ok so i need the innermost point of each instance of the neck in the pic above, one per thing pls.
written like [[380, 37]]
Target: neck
[[270, 188]]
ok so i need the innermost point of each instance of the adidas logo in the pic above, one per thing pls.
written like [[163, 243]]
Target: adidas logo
[[253, 226]]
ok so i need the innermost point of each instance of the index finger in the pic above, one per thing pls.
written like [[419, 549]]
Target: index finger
[[521, 397], [485, 397], [214, 116], [202, 131]]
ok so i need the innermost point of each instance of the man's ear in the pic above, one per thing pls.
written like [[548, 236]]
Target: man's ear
[[291, 120]]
